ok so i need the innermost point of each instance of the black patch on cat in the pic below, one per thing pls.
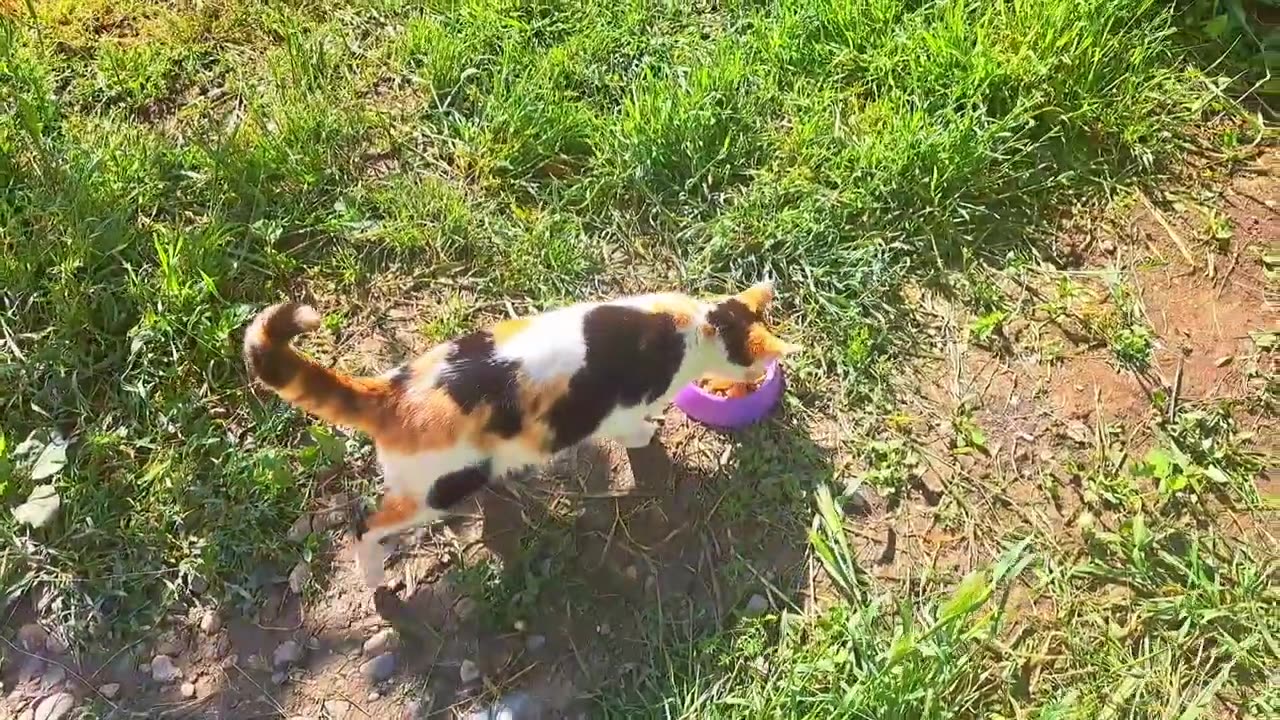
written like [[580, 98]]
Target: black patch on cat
[[632, 357], [473, 375], [272, 360], [452, 488], [732, 320], [272, 364]]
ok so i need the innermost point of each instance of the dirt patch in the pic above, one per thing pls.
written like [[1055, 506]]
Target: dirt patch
[[1044, 397]]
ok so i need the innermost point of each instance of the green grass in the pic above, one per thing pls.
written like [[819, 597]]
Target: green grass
[[167, 169], [1140, 621]]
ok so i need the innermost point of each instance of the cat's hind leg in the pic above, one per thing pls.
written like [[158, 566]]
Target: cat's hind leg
[[396, 513]]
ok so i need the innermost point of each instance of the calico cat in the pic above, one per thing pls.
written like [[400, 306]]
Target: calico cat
[[473, 409]]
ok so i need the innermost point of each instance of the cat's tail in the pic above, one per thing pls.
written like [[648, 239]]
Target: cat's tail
[[363, 403]]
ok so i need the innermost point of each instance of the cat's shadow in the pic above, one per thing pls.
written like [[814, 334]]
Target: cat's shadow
[[593, 550]]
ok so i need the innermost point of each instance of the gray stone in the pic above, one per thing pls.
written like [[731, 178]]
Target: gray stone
[[110, 690], [32, 637], [53, 677], [55, 707], [415, 710], [198, 585], [164, 670], [299, 577], [516, 706], [468, 672], [337, 709], [300, 529], [210, 622], [188, 690], [756, 606], [379, 668], [56, 645], [279, 677], [534, 643], [286, 654], [382, 641]]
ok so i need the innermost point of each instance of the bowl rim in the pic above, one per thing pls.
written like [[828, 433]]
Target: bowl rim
[[772, 375]]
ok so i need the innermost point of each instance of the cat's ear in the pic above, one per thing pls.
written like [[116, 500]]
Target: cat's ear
[[763, 344], [757, 297]]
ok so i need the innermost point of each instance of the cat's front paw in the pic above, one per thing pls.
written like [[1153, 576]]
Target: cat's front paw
[[369, 558]]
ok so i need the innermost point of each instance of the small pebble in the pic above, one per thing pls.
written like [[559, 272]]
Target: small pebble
[[32, 637], [286, 653], [379, 668], [381, 641], [337, 709], [198, 585], [534, 643], [164, 670], [520, 625], [188, 690], [313, 643], [756, 606], [375, 695], [468, 672], [55, 707], [604, 629], [210, 622], [110, 690], [53, 677]]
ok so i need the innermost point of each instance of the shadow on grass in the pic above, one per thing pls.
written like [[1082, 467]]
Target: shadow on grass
[[609, 556]]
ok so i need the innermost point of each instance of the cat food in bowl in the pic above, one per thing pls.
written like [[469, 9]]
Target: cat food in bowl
[[732, 405]]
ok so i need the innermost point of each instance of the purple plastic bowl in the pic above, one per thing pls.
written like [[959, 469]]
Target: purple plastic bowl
[[733, 413]]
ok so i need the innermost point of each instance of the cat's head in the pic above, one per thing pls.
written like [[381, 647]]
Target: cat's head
[[736, 324]]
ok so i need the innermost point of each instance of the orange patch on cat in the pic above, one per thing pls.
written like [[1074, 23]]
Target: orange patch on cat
[[681, 309], [536, 401], [757, 297], [508, 329], [427, 419], [763, 344], [393, 510]]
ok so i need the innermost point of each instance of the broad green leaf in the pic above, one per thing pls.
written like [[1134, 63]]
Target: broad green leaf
[[1217, 27], [1141, 535], [1217, 475], [1160, 462], [971, 593], [51, 461]]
